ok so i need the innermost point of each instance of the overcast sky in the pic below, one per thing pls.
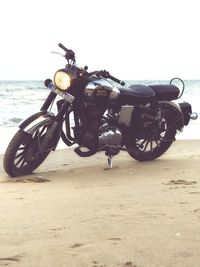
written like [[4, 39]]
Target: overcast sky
[[133, 39]]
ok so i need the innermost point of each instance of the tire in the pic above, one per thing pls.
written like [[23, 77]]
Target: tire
[[23, 154], [148, 149]]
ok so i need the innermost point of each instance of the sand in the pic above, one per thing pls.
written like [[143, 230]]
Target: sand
[[72, 212]]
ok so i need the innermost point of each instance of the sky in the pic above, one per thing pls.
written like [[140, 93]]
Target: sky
[[132, 39]]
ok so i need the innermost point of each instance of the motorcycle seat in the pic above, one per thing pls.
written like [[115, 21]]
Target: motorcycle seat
[[136, 94], [166, 91]]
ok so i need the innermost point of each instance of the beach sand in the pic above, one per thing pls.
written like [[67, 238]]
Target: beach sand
[[72, 212]]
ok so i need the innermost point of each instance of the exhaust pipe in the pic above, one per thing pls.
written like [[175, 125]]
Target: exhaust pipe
[[193, 116]]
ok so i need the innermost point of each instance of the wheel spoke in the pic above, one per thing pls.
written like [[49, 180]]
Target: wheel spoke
[[23, 163], [39, 132], [141, 144], [157, 143], [147, 145], [21, 148], [43, 129], [19, 160], [151, 146], [38, 135], [147, 142], [18, 155]]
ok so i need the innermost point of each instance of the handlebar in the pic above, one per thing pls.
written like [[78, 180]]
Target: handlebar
[[69, 53], [116, 80], [63, 47], [106, 74]]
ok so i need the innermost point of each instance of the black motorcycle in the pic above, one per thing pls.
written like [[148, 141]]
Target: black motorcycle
[[98, 116]]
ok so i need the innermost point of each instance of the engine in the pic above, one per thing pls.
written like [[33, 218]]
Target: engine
[[97, 134], [110, 139], [106, 138]]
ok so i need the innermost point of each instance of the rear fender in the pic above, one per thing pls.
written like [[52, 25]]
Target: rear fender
[[178, 116], [41, 118], [186, 111]]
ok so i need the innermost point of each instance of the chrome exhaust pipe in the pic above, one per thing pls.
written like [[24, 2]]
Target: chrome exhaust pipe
[[193, 116]]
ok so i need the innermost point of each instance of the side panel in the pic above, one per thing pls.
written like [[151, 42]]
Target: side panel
[[126, 115]]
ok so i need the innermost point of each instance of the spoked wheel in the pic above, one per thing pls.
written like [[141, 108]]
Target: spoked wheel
[[145, 149], [27, 151]]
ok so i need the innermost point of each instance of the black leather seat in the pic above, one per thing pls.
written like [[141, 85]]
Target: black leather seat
[[166, 91], [137, 94]]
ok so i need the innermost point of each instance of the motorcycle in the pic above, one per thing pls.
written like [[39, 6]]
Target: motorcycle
[[96, 115]]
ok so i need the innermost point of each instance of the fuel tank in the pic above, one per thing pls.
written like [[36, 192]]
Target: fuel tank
[[99, 89]]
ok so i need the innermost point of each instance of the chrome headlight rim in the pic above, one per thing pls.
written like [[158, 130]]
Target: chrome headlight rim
[[62, 80]]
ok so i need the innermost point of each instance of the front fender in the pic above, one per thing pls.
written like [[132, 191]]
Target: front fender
[[40, 118]]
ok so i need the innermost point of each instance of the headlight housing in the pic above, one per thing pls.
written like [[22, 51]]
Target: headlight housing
[[62, 80]]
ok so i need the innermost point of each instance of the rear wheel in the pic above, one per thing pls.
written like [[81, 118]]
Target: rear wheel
[[150, 148], [26, 151]]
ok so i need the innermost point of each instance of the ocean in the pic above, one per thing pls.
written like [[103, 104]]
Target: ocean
[[20, 99]]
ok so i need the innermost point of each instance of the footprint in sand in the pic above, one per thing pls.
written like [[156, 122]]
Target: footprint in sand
[[96, 264], [76, 245], [6, 260], [115, 238], [181, 182], [129, 264], [197, 210]]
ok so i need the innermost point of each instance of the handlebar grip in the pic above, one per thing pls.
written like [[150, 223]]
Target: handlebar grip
[[117, 80], [63, 47]]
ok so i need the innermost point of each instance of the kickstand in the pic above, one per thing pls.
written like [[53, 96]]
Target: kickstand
[[109, 162]]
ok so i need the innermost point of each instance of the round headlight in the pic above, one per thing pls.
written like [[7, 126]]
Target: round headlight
[[62, 80]]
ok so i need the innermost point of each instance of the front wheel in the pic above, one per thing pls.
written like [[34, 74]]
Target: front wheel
[[26, 151], [146, 149]]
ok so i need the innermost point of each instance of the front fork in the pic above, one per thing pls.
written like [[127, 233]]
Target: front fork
[[62, 107]]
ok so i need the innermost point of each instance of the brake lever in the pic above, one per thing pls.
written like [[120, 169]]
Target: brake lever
[[53, 52]]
